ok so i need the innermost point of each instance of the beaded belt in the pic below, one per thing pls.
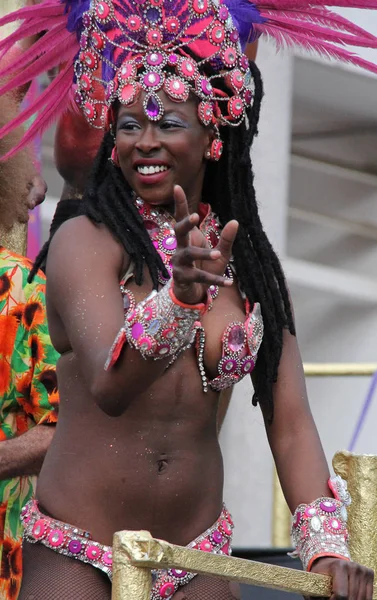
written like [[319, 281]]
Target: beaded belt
[[77, 543]]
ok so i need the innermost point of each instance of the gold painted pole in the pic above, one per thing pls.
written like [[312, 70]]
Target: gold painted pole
[[130, 582], [360, 472], [141, 550], [339, 369]]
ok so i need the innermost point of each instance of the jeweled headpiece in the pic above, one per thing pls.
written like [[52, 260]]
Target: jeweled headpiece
[[152, 45], [109, 50]]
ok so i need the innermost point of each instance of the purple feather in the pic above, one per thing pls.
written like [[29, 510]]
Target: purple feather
[[75, 10], [244, 14]]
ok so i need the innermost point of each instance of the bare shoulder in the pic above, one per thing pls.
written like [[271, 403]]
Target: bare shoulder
[[81, 242]]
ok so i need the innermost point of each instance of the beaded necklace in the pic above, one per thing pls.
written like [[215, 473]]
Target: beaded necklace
[[160, 226]]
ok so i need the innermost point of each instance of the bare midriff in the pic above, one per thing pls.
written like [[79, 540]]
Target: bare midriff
[[156, 467]]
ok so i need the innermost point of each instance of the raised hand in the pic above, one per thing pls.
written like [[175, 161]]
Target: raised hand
[[195, 265]]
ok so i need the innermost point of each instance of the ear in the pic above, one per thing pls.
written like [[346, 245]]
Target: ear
[[211, 135]]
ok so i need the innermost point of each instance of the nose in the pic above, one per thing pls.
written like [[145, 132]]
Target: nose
[[149, 139]]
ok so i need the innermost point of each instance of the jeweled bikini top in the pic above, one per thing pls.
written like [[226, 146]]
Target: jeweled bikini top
[[241, 340]]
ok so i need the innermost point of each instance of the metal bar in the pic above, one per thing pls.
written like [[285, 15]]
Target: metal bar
[[339, 369], [141, 550]]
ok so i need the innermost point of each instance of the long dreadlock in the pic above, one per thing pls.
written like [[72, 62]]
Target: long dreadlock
[[229, 188]]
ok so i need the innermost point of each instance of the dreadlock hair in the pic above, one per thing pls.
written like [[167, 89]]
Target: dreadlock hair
[[229, 188]]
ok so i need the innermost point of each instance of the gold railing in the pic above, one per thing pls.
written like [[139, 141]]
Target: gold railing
[[136, 553]]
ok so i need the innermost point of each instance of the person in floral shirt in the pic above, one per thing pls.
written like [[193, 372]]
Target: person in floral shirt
[[28, 403]]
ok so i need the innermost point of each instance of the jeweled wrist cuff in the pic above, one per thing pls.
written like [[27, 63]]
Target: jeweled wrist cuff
[[158, 327], [320, 529]]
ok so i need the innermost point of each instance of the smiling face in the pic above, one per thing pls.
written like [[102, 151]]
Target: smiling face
[[155, 156]]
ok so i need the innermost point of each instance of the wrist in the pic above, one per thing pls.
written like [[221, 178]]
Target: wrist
[[201, 306]]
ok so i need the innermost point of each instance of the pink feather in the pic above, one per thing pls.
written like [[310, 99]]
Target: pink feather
[[55, 88], [302, 5], [294, 38], [45, 10], [25, 31], [58, 103], [320, 32], [322, 16], [56, 56], [50, 40]]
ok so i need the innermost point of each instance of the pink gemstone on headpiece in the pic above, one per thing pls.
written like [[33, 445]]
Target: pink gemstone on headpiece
[[85, 82], [154, 59], [188, 68], [89, 111], [78, 98], [133, 23], [173, 59], [237, 80], [217, 33], [205, 113], [127, 71], [229, 57], [83, 41], [154, 37], [244, 62], [235, 107], [152, 79], [223, 13], [234, 36], [172, 25], [127, 93], [156, 2], [176, 89], [88, 59], [97, 40], [200, 6], [248, 96], [205, 86], [86, 19], [102, 10]]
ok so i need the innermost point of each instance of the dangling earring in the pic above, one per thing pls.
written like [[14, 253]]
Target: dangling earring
[[114, 156], [216, 149]]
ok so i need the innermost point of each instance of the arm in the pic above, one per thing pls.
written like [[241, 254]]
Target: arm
[[293, 436], [85, 265], [302, 466], [24, 455]]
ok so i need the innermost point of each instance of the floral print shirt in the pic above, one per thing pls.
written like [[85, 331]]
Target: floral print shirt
[[28, 395]]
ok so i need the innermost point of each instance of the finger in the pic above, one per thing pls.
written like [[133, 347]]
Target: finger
[[369, 586], [182, 229], [354, 585], [340, 581], [180, 204], [361, 591], [190, 254], [186, 276], [227, 237]]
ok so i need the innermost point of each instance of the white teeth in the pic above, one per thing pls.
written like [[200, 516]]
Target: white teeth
[[145, 170]]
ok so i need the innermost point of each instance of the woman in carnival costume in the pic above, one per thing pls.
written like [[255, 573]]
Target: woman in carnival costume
[[166, 291]]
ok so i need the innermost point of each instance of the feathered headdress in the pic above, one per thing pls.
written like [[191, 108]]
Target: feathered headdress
[[114, 49]]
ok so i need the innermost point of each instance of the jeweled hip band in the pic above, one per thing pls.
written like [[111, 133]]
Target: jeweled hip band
[[76, 543]]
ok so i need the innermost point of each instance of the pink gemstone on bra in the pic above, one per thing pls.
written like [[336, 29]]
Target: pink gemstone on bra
[[166, 590], [137, 330], [236, 338], [151, 227]]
